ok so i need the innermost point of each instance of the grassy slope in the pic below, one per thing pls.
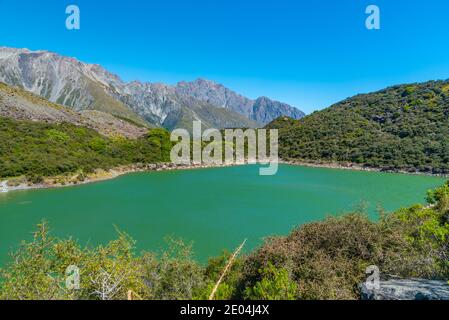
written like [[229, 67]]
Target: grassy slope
[[10, 90]]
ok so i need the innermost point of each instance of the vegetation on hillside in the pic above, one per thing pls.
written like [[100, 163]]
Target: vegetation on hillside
[[37, 149], [322, 260], [404, 127]]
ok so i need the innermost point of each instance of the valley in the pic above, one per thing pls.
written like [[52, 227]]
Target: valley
[[65, 124], [206, 159]]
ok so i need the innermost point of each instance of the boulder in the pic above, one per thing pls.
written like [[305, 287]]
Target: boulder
[[410, 289]]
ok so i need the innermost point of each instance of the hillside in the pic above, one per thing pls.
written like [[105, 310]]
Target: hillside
[[37, 149], [405, 127], [43, 139], [19, 104]]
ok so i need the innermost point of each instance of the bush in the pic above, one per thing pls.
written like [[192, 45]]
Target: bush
[[38, 271], [328, 259], [275, 285], [228, 288], [175, 275], [38, 150]]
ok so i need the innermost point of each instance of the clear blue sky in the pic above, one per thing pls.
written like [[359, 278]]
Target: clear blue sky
[[306, 53]]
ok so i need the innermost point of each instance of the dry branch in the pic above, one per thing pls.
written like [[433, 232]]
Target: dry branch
[[228, 266]]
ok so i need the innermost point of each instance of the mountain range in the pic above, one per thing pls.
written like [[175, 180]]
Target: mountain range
[[80, 86]]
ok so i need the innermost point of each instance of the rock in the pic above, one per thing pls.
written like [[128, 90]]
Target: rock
[[410, 289], [4, 187]]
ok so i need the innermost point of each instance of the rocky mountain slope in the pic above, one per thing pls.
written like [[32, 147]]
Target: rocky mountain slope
[[165, 106], [81, 86], [262, 110], [405, 127], [19, 104], [62, 80]]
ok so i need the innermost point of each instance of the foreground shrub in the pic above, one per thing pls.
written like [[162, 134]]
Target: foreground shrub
[[227, 290], [175, 275], [38, 271], [275, 285], [328, 259]]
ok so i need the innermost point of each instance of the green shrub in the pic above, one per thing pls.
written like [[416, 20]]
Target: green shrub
[[38, 270], [328, 259], [275, 285], [228, 288], [175, 275]]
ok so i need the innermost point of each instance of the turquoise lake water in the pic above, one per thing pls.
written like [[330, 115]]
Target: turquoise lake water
[[215, 208]]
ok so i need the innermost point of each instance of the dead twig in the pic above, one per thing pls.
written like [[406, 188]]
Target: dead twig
[[131, 294], [228, 266]]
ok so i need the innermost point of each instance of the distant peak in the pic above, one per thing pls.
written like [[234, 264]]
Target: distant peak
[[136, 83], [15, 50], [202, 80], [199, 82]]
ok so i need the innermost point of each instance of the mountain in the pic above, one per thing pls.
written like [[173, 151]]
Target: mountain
[[164, 105], [82, 86], [404, 127], [42, 139], [62, 80], [22, 105], [262, 110]]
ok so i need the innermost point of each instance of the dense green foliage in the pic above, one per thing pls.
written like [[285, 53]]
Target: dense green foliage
[[322, 260], [403, 127], [328, 259], [275, 284], [36, 149]]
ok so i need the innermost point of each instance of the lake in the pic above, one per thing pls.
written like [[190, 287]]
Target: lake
[[214, 208]]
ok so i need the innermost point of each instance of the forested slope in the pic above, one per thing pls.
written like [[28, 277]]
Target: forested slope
[[404, 127], [38, 149]]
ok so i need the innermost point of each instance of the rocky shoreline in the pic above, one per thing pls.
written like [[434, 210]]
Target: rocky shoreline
[[4, 186], [356, 167], [101, 175]]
